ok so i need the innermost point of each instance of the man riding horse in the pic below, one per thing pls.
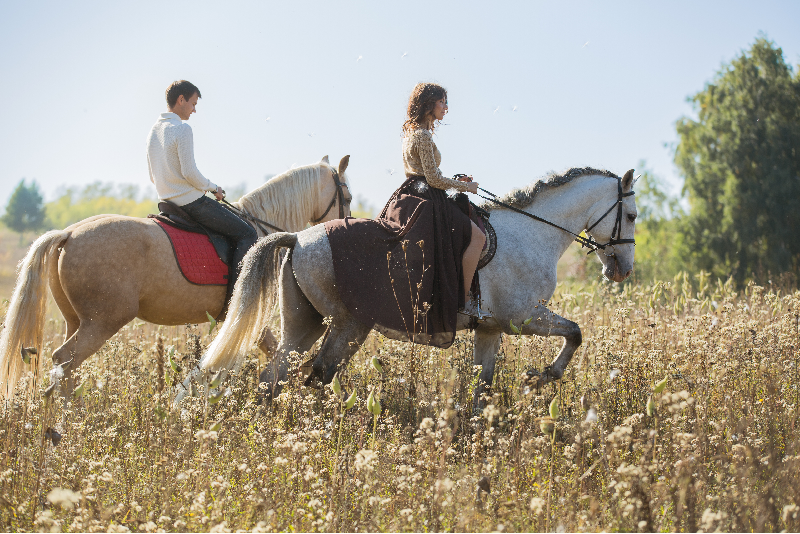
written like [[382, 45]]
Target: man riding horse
[[170, 158]]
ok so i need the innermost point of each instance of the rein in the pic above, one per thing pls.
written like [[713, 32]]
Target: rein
[[339, 193], [589, 243], [255, 220]]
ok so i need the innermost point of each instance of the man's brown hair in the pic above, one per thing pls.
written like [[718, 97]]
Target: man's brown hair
[[178, 88]]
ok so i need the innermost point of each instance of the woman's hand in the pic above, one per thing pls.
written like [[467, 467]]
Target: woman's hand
[[219, 193], [472, 187]]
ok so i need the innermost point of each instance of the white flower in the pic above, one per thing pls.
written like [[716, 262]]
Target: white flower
[[537, 503], [64, 497], [365, 460], [591, 416]]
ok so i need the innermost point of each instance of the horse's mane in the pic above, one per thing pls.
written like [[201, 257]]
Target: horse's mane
[[287, 200], [523, 197]]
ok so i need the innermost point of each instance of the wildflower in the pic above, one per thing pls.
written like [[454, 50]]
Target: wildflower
[[537, 503], [64, 497], [365, 460], [491, 412]]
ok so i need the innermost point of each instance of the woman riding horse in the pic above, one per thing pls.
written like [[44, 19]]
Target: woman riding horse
[[431, 247]]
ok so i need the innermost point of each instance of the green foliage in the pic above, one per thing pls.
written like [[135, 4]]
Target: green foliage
[[362, 209], [24, 211], [742, 168], [657, 229], [76, 204]]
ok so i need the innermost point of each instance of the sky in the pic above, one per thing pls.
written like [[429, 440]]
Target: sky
[[533, 86]]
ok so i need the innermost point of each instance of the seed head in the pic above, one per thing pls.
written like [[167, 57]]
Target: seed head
[[351, 400], [651, 406], [658, 388], [555, 411]]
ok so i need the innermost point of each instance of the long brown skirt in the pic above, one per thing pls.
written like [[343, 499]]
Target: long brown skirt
[[402, 270]]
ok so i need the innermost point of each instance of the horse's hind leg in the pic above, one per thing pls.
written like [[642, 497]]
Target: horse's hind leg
[[301, 327], [85, 341], [344, 338], [62, 301], [90, 322]]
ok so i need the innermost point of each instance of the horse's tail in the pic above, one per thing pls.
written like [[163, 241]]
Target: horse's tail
[[251, 304], [24, 321]]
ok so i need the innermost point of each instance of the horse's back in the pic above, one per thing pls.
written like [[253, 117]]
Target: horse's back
[[129, 261]]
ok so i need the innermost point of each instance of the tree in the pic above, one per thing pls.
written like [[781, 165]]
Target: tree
[[741, 164], [657, 229], [25, 209], [77, 203]]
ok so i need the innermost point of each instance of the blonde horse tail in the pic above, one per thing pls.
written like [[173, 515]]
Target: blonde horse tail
[[24, 321], [251, 304]]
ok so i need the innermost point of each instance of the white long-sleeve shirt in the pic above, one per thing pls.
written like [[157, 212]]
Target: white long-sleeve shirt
[[170, 158]]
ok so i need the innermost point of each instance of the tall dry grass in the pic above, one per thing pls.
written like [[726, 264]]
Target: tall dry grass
[[717, 451]]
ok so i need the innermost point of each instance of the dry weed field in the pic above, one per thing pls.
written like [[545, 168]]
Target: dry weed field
[[678, 413]]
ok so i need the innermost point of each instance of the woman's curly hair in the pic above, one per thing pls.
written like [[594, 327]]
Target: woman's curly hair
[[420, 105]]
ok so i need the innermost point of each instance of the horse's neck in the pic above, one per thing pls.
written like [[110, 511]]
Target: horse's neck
[[570, 206], [281, 205]]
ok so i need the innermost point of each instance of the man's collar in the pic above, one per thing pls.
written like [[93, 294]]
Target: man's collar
[[169, 116]]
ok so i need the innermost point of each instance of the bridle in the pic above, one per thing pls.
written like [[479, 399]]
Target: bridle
[[589, 242], [339, 193], [616, 233]]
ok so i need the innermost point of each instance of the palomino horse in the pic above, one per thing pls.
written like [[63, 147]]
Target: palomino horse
[[514, 285], [109, 269]]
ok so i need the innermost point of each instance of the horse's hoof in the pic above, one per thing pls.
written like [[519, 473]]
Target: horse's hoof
[[315, 378], [537, 379]]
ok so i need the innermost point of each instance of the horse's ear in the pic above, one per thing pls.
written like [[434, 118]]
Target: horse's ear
[[627, 181], [325, 159], [343, 164]]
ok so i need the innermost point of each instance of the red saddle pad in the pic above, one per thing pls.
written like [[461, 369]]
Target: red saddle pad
[[196, 256]]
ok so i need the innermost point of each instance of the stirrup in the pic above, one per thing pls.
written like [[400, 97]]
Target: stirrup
[[473, 309]]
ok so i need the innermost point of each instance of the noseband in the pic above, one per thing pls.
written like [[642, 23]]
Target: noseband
[[590, 243], [339, 193]]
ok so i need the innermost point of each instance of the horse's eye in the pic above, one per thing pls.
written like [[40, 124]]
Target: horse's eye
[[631, 217]]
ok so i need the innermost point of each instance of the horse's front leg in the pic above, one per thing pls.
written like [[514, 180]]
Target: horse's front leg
[[544, 322], [487, 343]]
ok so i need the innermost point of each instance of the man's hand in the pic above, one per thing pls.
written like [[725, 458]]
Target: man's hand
[[219, 193]]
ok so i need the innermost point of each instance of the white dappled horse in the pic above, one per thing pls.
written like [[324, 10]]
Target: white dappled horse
[[514, 285]]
